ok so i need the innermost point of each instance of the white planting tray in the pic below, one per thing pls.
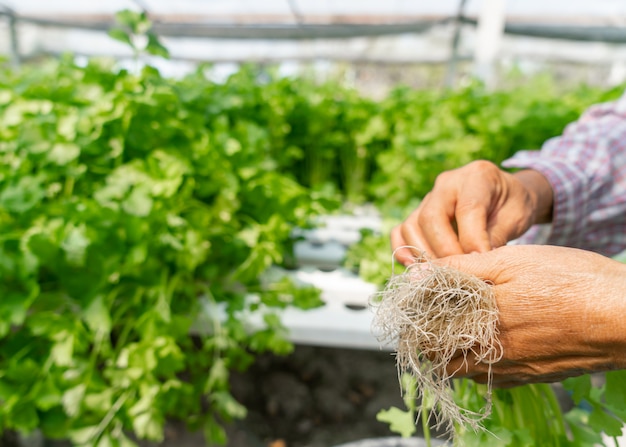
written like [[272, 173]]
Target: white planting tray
[[346, 317], [343, 321]]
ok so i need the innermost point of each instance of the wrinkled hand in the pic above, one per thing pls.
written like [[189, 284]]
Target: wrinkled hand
[[474, 208], [561, 313]]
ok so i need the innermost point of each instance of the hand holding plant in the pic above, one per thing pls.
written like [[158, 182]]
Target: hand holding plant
[[474, 208], [557, 317], [560, 313]]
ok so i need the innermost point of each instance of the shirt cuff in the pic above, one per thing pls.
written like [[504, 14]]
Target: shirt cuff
[[570, 198]]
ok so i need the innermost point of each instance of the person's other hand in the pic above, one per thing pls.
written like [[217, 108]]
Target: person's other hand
[[474, 208], [561, 313]]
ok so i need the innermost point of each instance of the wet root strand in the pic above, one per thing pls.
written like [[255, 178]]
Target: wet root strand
[[432, 313]]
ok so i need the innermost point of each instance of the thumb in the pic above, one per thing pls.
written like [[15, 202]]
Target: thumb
[[482, 265]]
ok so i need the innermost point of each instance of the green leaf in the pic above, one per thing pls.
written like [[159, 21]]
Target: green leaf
[[66, 126], [155, 47], [401, 422], [23, 195], [72, 400], [227, 406], [63, 350], [98, 401], [148, 426], [15, 306], [75, 244], [139, 203], [214, 434], [170, 359], [163, 308], [259, 260], [5, 96], [579, 386], [121, 35], [615, 391], [136, 21], [583, 433], [147, 422], [48, 394], [250, 235], [54, 423], [601, 421], [24, 416], [218, 376], [63, 153], [97, 316]]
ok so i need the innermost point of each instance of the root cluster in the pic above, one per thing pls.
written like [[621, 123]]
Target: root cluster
[[432, 314]]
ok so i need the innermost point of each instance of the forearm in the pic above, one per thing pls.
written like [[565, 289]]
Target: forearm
[[541, 194]]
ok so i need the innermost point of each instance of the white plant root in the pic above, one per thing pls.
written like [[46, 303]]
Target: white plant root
[[432, 313]]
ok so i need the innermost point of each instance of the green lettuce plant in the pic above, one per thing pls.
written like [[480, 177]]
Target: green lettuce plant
[[126, 201]]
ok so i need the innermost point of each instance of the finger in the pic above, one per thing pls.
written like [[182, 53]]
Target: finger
[[471, 215], [487, 266], [500, 235], [409, 235], [506, 225], [401, 250], [436, 223]]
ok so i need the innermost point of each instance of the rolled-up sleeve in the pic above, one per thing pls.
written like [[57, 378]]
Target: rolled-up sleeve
[[586, 167]]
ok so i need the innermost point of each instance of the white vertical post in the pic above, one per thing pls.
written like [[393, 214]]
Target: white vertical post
[[490, 29]]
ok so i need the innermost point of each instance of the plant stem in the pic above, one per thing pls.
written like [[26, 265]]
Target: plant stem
[[69, 186], [425, 427], [104, 423], [553, 403]]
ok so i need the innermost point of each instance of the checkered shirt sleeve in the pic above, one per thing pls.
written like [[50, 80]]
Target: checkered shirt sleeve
[[586, 167]]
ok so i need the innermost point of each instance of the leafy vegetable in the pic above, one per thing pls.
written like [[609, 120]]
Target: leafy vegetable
[[134, 207], [124, 200]]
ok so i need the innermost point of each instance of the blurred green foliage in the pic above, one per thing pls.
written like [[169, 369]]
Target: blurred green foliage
[[129, 200]]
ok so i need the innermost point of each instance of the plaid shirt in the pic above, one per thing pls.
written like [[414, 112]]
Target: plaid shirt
[[586, 167]]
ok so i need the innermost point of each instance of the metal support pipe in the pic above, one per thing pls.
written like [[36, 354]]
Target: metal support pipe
[[14, 45], [456, 39], [12, 30], [490, 30]]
